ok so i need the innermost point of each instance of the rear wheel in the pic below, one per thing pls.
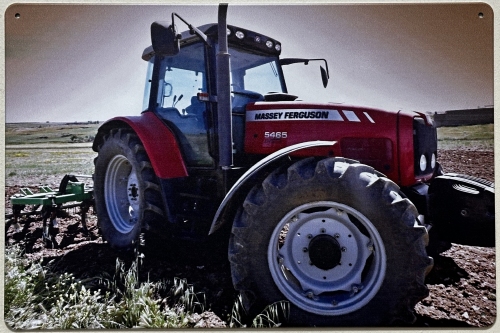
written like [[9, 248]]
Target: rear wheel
[[335, 240], [126, 189]]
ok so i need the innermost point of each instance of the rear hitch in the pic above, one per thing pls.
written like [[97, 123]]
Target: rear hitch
[[462, 209]]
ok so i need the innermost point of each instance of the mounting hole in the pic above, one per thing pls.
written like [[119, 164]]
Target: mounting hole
[[480, 15], [17, 15]]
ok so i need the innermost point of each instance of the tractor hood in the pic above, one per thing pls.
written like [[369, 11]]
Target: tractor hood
[[371, 136], [273, 125]]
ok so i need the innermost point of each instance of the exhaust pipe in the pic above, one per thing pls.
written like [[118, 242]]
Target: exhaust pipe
[[225, 132]]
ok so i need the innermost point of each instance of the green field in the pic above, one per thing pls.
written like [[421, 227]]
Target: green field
[[479, 136], [49, 133], [31, 163], [36, 150]]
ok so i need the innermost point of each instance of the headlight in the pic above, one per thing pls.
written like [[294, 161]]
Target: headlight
[[239, 34], [423, 163], [433, 161]]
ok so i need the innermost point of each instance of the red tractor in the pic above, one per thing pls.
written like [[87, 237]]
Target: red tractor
[[328, 206]]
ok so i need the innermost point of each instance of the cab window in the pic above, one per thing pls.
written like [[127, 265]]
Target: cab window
[[182, 77]]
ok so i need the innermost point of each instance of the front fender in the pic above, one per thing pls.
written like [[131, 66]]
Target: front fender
[[158, 141], [222, 212]]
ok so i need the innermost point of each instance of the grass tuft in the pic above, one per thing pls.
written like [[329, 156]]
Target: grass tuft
[[38, 297], [274, 315]]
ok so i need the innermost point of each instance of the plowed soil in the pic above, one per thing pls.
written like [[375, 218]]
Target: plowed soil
[[462, 283]]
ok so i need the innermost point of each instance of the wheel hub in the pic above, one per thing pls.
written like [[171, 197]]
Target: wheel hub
[[326, 258], [324, 252], [133, 192]]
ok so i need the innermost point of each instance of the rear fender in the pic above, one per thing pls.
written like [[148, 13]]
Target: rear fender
[[158, 141], [226, 209]]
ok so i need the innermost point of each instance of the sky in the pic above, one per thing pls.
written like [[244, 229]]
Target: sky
[[83, 62]]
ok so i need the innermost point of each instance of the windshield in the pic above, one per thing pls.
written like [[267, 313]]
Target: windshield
[[253, 72]]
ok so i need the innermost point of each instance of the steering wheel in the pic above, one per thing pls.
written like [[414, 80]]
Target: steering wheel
[[248, 93]]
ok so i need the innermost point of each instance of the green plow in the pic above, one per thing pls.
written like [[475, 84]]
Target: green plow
[[49, 204]]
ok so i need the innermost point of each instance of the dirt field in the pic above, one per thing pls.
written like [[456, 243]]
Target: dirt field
[[462, 284]]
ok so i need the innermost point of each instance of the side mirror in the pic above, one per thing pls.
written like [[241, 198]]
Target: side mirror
[[164, 39], [324, 76]]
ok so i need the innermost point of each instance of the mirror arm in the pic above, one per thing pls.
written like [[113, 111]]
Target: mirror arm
[[192, 29], [289, 61]]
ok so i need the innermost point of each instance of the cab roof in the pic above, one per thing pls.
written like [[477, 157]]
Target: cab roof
[[250, 40]]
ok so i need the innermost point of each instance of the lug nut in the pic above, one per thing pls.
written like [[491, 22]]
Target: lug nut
[[337, 235], [343, 249], [305, 249]]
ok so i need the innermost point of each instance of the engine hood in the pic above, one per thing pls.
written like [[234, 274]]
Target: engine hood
[[376, 137]]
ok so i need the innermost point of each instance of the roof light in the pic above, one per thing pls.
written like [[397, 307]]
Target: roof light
[[228, 31], [257, 39], [240, 34], [277, 47], [269, 44]]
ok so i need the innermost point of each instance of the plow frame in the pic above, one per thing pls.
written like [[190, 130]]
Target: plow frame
[[49, 203]]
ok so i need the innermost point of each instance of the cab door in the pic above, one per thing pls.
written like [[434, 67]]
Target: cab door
[[181, 78]]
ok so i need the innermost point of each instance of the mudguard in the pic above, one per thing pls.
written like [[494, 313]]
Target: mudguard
[[158, 140], [219, 218], [462, 209]]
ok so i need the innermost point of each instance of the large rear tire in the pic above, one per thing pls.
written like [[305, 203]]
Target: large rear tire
[[334, 239], [126, 190]]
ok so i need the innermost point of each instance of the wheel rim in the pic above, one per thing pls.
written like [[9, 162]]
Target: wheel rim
[[121, 194], [327, 258]]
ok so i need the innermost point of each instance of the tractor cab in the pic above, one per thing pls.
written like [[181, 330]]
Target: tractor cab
[[181, 88]]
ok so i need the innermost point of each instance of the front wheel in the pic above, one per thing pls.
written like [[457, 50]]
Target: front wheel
[[126, 189], [334, 239]]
